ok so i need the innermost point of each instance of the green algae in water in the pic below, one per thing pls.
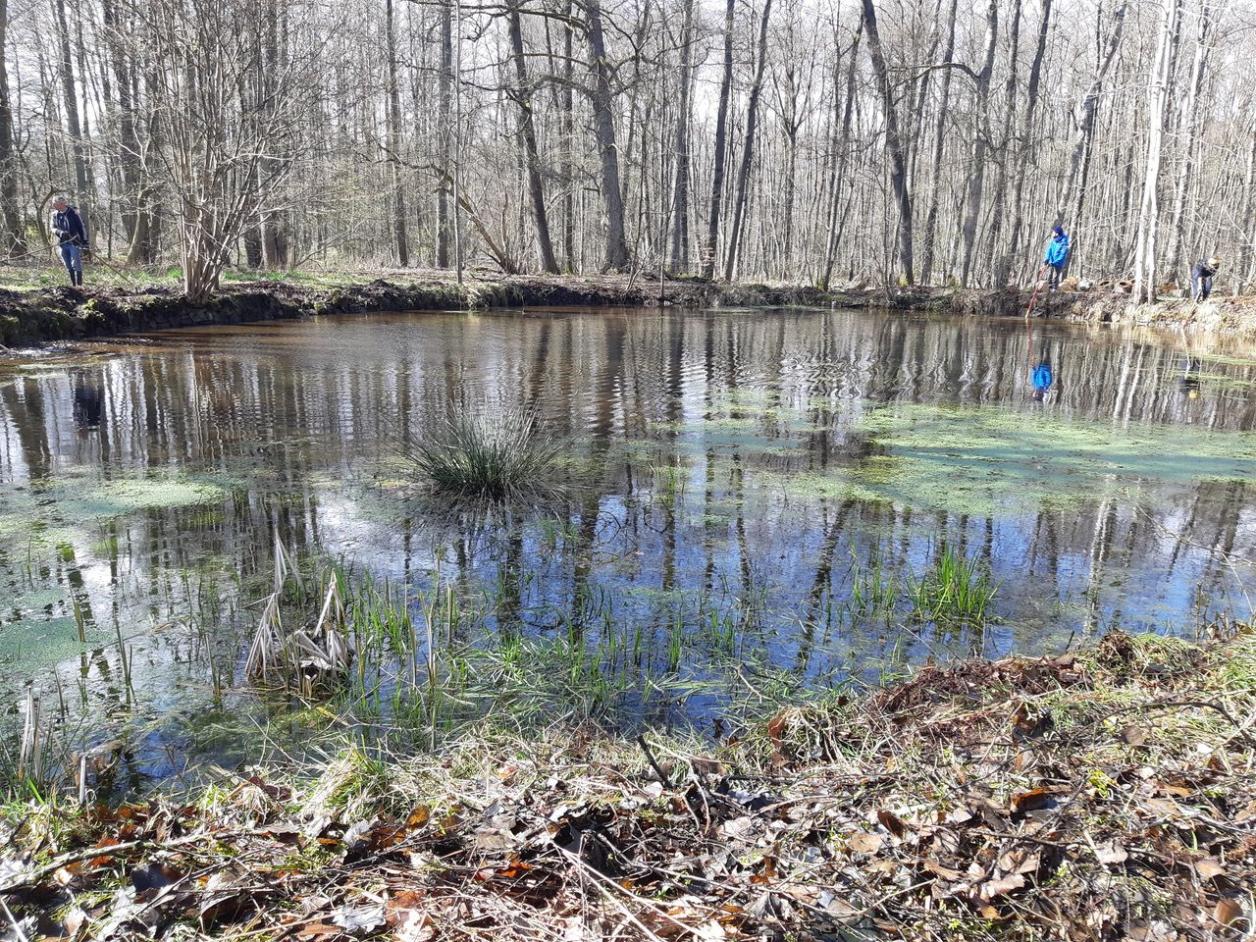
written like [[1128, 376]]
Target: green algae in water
[[978, 459], [58, 512]]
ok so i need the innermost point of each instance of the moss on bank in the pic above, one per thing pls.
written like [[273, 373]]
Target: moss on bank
[[1102, 795]]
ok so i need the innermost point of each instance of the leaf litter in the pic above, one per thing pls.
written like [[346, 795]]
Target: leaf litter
[[984, 800]]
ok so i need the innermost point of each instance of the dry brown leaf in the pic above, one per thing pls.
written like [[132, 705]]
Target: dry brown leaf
[[74, 920], [316, 930], [1002, 886], [861, 842], [1020, 861], [946, 873], [768, 873], [1134, 735], [418, 817], [1111, 854], [1208, 868], [892, 822], [1031, 800], [1227, 912]]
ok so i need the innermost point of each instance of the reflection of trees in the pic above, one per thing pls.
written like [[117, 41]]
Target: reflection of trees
[[277, 408]]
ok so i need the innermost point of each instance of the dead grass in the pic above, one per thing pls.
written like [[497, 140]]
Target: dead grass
[[1104, 795]]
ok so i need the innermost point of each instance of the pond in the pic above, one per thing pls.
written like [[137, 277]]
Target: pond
[[753, 505]]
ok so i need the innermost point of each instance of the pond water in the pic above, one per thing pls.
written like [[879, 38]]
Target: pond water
[[752, 498]]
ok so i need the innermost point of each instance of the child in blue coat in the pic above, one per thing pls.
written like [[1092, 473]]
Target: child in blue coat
[[1056, 257]]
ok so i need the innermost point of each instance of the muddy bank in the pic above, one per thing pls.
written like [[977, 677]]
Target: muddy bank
[[1097, 796], [63, 313]]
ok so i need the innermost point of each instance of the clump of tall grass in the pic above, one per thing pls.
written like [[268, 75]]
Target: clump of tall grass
[[955, 589], [483, 457]]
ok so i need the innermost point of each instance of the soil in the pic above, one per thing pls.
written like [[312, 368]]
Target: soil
[[58, 314]]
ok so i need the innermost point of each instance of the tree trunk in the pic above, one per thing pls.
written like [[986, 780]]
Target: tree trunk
[[12, 241], [1245, 274], [837, 169], [569, 143], [747, 154], [1026, 129], [128, 138], [939, 146], [401, 238], [977, 169], [1000, 258], [1188, 129], [893, 143], [680, 189], [275, 230], [604, 128], [445, 106], [73, 129], [721, 136], [532, 158], [146, 243], [1084, 121], [1149, 211]]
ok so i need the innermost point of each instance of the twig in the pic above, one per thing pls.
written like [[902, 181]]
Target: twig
[[645, 747], [34, 876]]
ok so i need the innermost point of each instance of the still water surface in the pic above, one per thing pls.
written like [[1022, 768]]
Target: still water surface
[[740, 484]]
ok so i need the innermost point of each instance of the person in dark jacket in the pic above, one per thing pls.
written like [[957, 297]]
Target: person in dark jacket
[[1056, 257], [71, 238], [1201, 278]]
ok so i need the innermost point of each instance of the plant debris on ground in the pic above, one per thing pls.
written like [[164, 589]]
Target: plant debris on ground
[[1099, 795]]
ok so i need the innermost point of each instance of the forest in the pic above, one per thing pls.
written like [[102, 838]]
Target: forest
[[787, 141]]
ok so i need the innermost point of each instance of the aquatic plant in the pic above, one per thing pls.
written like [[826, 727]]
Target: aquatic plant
[[307, 657], [497, 458], [955, 589], [874, 590]]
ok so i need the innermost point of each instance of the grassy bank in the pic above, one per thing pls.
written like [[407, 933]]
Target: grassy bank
[[1097, 795], [36, 308]]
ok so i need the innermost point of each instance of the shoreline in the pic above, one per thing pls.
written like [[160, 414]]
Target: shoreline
[[47, 315], [1100, 794]]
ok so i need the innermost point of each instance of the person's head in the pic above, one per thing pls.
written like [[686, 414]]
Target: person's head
[[1214, 262], [1058, 230], [59, 202]]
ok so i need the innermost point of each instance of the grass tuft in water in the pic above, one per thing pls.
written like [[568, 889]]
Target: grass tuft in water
[[477, 456], [955, 589]]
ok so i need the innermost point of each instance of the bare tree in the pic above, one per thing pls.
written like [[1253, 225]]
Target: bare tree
[[527, 133], [604, 127], [680, 189], [893, 142], [721, 143], [1145, 288], [747, 153], [401, 240], [12, 239]]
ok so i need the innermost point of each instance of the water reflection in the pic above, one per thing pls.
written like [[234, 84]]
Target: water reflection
[[735, 484]]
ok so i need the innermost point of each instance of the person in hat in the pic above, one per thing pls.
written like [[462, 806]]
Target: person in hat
[[71, 238], [1201, 278], [1056, 257]]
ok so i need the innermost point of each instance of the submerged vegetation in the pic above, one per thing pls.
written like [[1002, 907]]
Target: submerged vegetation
[[477, 456]]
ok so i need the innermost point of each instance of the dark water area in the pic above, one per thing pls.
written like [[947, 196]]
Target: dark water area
[[751, 497]]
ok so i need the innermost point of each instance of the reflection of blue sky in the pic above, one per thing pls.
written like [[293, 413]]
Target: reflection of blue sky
[[296, 424]]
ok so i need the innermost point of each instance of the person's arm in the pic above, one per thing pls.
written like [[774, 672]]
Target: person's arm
[[80, 229]]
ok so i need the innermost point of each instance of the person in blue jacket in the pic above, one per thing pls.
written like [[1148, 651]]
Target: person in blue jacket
[[1056, 257], [71, 238], [1042, 377]]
